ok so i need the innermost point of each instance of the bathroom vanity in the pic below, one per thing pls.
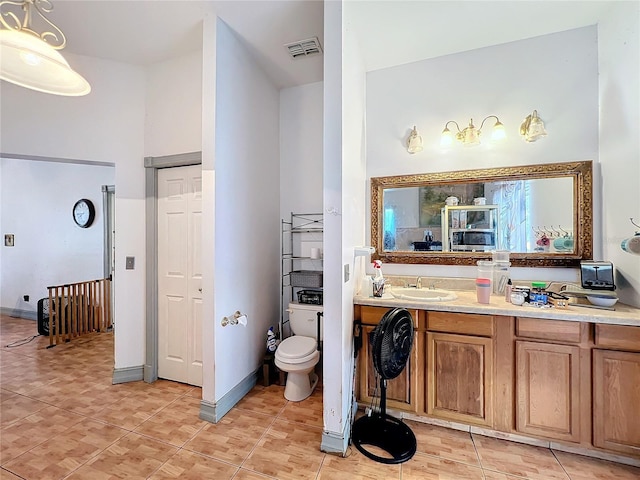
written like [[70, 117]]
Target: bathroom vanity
[[565, 378]]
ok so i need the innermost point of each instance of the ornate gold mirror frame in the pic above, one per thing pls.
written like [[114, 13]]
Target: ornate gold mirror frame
[[580, 172]]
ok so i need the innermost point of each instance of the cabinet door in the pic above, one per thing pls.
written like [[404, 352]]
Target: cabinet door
[[400, 391], [548, 390], [616, 401], [460, 378]]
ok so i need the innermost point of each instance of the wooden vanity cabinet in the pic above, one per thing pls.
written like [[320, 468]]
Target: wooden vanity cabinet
[[553, 379], [402, 391], [459, 367], [616, 389], [572, 383]]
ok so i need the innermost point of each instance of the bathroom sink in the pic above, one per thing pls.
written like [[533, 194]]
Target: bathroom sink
[[423, 294]]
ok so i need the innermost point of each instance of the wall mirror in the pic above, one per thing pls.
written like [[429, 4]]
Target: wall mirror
[[542, 214]]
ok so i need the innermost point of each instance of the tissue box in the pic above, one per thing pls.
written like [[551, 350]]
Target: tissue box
[[306, 278]]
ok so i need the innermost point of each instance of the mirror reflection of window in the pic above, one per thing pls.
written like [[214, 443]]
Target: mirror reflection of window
[[389, 229], [513, 198]]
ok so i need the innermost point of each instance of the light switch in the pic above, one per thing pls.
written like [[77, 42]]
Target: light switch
[[130, 263], [346, 272]]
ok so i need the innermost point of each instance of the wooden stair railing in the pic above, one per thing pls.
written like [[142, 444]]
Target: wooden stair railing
[[79, 308]]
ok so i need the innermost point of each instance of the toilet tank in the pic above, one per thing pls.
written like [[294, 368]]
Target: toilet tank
[[303, 319]]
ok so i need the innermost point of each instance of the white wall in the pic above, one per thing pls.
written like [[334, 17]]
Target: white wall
[[353, 206], [344, 193], [247, 214], [108, 126], [333, 367], [174, 106], [209, 46], [557, 75], [301, 149], [619, 54], [36, 200]]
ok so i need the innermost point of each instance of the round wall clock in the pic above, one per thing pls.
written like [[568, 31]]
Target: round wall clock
[[84, 213]]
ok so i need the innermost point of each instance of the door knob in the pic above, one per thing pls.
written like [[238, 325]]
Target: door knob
[[200, 289]]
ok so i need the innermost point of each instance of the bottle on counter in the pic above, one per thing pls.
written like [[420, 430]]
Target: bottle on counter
[[507, 291], [538, 295]]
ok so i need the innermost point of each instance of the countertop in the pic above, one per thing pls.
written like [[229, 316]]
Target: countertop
[[466, 303]]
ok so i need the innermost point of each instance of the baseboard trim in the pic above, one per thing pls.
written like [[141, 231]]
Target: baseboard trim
[[127, 374], [150, 374], [213, 412], [337, 443], [18, 313], [208, 411]]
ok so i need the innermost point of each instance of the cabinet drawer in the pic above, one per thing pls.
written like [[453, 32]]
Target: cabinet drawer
[[465, 323], [564, 331], [373, 315], [620, 337]]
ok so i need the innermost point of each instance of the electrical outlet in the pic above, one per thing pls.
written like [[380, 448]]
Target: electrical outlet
[[346, 272], [130, 263]]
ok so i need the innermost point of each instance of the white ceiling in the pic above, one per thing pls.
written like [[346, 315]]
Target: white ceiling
[[390, 32]]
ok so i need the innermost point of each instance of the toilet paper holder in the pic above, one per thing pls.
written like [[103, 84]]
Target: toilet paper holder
[[235, 319]]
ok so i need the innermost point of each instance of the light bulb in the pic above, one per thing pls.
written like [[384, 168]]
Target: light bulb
[[30, 58], [498, 133], [446, 140]]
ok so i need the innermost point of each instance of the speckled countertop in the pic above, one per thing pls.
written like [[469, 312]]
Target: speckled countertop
[[466, 303]]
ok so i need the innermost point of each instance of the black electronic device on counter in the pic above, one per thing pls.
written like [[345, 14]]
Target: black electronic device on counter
[[596, 275], [310, 297]]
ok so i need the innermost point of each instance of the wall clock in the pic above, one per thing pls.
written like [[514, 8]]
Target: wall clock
[[84, 213]]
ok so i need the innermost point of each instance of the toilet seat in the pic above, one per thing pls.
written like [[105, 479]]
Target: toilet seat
[[297, 349]]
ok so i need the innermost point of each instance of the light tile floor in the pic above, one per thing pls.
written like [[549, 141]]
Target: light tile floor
[[60, 417]]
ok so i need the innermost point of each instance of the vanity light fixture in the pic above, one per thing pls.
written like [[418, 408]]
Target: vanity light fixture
[[532, 128], [471, 135], [414, 142], [31, 59]]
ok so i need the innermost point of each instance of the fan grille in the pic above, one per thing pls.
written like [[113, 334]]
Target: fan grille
[[392, 343]]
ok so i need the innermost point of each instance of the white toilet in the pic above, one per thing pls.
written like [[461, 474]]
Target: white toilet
[[298, 354]]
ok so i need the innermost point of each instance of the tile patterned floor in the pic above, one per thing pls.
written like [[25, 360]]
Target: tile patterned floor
[[60, 418]]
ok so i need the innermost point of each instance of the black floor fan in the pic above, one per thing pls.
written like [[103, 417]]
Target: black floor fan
[[391, 343]]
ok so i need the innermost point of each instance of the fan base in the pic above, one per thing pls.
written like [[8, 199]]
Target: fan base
[[386, 433]]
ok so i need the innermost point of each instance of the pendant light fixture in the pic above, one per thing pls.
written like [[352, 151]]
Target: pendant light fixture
[[470, 136], [532, 128], [414, 142], [31, 59]]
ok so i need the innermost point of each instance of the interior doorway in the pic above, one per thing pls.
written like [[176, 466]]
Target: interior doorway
[[180, 274], [153, 165], [109, 228]]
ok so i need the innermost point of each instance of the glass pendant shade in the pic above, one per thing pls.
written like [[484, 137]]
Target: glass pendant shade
[[414, 142], [28, 61], [498, 133], [446, 140], [536, 130], [532, 128]]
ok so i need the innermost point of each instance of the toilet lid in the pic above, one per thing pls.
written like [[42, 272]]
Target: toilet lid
[[296, 347]]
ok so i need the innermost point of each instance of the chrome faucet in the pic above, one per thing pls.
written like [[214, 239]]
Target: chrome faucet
[[419, 282]]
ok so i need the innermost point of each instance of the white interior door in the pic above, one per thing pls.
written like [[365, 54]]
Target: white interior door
[[180, 274]]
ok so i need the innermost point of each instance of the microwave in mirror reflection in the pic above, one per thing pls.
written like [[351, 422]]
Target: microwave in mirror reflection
[[472, 240]]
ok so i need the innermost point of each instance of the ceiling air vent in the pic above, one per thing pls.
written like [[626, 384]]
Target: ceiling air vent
[[304, 48]]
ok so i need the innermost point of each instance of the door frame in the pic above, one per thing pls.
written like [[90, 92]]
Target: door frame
[[109, 223], [152, 165], [108, 193]]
